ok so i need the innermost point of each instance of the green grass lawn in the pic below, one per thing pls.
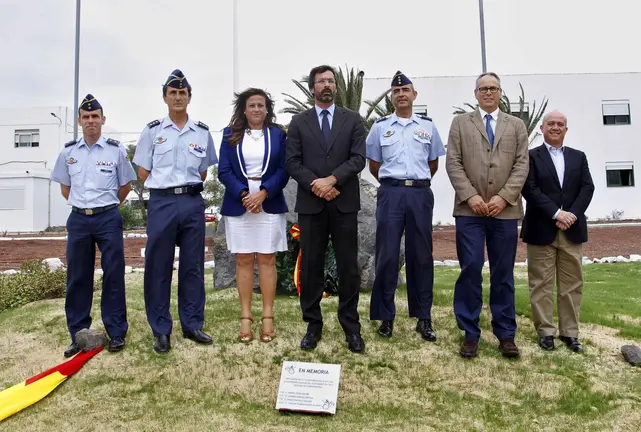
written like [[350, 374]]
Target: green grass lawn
[[401, 384]]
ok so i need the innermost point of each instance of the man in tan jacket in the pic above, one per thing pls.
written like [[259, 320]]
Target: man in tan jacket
[[487, 163]]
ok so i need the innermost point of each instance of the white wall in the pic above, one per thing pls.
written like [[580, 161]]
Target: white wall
[[579, 96]]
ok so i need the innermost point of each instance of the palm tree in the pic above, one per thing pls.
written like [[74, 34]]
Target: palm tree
[[531, 121], [349, 94]]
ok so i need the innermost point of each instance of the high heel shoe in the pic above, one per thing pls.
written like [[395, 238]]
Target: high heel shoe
[[267, 336], [246, 337]]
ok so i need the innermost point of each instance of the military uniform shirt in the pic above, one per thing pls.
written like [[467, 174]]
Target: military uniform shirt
[[94, 173], [404, 146], [174, 157]]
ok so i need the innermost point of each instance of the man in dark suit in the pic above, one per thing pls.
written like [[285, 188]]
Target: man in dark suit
[[325, 153], [558, 191]]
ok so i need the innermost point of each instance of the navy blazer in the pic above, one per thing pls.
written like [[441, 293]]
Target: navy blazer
[[273, 180], [545, 195]]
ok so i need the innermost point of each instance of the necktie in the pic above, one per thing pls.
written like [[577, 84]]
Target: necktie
[[326, 130], [488, 128]]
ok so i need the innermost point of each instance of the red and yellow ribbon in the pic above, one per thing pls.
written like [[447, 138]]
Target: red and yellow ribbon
[[295, 232], [30, 391]]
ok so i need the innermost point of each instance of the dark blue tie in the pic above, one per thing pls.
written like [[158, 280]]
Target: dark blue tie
[[325, 128], [488, 128]]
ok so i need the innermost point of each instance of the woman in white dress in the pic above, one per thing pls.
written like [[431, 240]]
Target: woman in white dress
[[252, 169]]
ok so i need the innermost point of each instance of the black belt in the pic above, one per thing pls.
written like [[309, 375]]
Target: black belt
[[408, 183], [189, 189], [93, 211]]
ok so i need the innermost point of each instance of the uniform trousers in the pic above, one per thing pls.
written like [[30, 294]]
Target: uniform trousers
[[84, 233], [403, 209], [175, 220]]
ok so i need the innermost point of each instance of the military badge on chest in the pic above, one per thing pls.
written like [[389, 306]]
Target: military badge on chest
[[197, 148], [388, 134], [421, 134], [160, 140], [71, 161]]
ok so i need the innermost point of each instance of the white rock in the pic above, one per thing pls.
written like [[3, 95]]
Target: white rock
[[438, 263], [139, 270], [486, 264], [209, 265], [450, 263], [635, 258], [175, 265], [135, 235], [608, 259], [128, 269], [10, 272], [98, 272], [52, 263], [520, 264], [597, 261], [586, 261], [622, 259]]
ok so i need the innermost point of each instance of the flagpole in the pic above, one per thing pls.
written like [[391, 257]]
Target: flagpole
[[235, 46], [77, 69], [482, 25]]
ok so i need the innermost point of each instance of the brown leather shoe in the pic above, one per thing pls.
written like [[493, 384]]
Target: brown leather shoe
[[508, 348], [469, 348]]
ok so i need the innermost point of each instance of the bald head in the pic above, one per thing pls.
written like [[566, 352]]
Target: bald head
[[555, 114], [554, 127]]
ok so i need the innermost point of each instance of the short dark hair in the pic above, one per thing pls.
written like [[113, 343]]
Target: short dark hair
[[164, 90], [492, 74], [318, 70]]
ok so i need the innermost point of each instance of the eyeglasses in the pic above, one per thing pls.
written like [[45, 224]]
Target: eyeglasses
[[325, 80], [490, 89]]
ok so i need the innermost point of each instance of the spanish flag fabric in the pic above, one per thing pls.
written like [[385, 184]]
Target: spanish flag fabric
[[295, 232], [20, 396]]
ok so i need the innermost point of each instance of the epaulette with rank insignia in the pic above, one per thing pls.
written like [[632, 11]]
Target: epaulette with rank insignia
[[70, 143], [382, 119], [113, 142], [424, 117], [202, 125], [153, 124]]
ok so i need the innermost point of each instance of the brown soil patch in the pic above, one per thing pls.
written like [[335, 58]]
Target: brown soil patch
[[603, 241]]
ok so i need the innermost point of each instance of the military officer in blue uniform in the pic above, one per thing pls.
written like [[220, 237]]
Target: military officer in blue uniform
[[94, 176], [403, 151], [173, 155]]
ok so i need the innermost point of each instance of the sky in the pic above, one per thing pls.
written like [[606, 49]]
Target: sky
[[129, 47]]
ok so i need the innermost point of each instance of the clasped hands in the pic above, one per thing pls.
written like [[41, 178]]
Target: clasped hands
[[491, 208], [564, 220], [324, 188], [253, 202]]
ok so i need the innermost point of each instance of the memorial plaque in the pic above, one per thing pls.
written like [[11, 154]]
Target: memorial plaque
[[308, 387]]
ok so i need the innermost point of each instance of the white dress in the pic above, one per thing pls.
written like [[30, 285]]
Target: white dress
[[255, 232]]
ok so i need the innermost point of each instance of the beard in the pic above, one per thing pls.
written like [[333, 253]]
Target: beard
[[325, 96]]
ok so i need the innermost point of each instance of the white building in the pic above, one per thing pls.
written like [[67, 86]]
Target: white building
[[598, 107], [31, 140]]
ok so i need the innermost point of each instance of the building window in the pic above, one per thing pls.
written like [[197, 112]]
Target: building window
[[420, 110], [523, 114], [616, 112], [619, 174], [27, 138]]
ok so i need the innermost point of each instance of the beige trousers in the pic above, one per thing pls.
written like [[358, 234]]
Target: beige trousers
[[562, 259]]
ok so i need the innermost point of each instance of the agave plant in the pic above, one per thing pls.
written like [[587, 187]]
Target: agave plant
[[531, 121]]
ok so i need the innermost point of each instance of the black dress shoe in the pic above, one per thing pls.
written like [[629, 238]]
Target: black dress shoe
[[469, 348], [547, 343], [116, 344], [198, 336], [424, 327], [310, 340], [355, 343], [162, 344], [72, 350], [572, 343], [386, 329]]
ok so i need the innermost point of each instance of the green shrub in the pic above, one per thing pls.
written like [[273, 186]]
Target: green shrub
[[286, 263], [34, 282], [131, 217]]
